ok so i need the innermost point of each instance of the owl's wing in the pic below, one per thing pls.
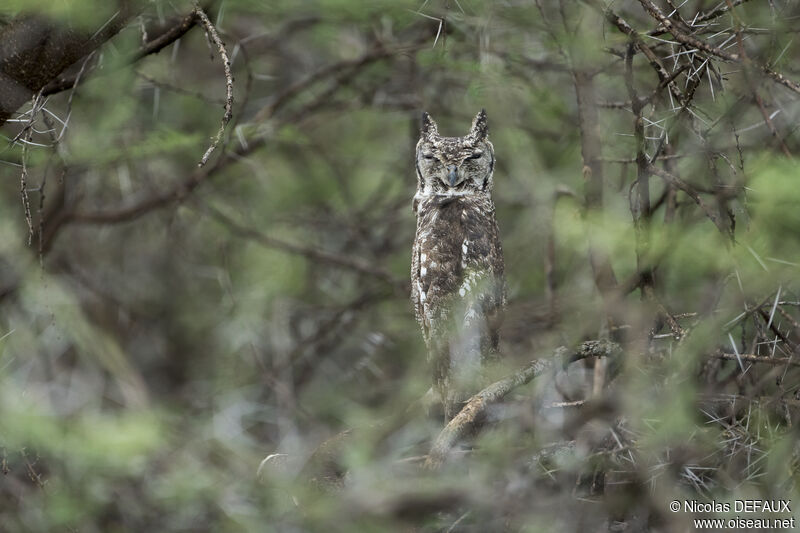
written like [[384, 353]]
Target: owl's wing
[[483, 285], [418, 294]]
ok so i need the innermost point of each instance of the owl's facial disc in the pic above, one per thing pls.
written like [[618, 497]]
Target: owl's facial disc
[[455, 164]]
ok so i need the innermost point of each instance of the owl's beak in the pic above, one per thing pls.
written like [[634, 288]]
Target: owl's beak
[[452, 175]]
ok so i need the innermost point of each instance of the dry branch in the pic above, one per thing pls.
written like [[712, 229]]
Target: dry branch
[[23, 178], [753, 88], [473, 412], [752, 358], [711, 15], [226, 63], [684, 38], [678, 183], [622, 25], [694, 42]]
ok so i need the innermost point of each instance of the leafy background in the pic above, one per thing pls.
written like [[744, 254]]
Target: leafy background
[[169, 327]]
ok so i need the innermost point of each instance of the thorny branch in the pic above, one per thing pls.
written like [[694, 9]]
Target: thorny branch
[[699, 44], [663, 75]]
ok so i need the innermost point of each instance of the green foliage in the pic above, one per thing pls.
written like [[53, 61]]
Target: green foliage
[[85, 15], [181, 324]]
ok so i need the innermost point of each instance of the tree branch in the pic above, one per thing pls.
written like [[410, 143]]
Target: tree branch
[[35, 49], [664, 76], [694, 42], [153, 46], [226, 64], [473, 412], [777, 361]]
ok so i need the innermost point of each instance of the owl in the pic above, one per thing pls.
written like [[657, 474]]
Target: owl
[[457, 281]]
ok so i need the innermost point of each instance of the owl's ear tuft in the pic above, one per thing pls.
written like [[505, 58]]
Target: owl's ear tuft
[[480, 128], [429, 127]]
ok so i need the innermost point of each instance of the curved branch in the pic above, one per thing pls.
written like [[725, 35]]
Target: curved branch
[[473, 412]]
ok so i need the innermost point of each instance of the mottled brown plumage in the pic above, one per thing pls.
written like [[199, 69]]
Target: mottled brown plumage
[[457, 282]]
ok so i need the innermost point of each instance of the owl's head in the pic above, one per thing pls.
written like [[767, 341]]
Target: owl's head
[[460, 165]]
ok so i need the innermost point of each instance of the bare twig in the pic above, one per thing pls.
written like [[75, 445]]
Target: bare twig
[[26, 136], [678, 183], [211, 31], [752, 358], [563, 405], [23, 179], [717, 12], [31, 471], [720, 10], [177, 89], [684, 38]]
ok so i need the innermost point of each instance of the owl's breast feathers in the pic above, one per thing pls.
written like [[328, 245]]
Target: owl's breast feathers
[[457, 262]]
